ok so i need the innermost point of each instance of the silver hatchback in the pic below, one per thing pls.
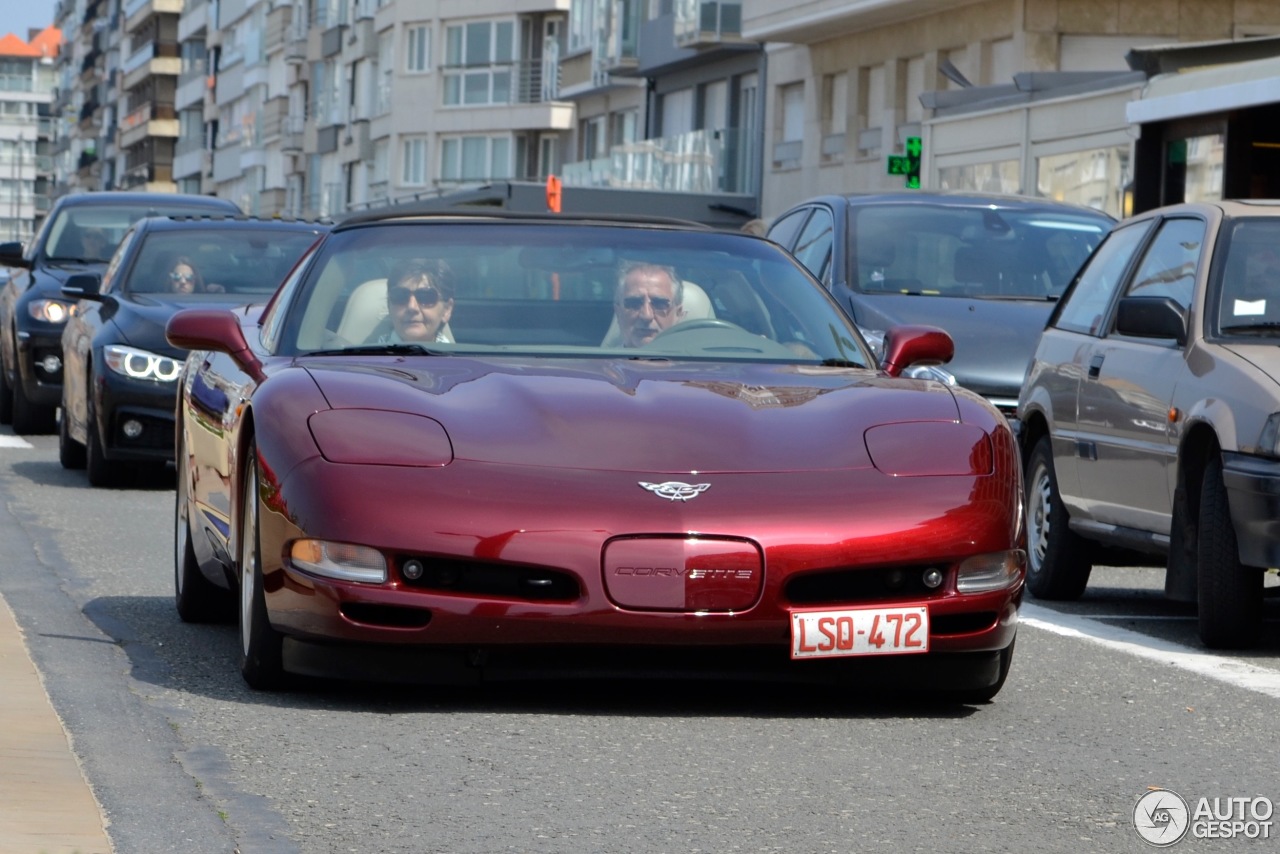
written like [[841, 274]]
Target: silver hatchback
[[1151, 414]]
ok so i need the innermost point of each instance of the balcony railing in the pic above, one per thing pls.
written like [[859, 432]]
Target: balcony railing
[[696, 162], [707, 22], [17, 83], [147, 112], [530, 81]]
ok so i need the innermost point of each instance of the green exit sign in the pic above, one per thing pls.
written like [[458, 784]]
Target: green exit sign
[[908, 164]]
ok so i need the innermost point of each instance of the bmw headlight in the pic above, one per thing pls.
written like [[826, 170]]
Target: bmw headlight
[[50, 310], [141, 364]]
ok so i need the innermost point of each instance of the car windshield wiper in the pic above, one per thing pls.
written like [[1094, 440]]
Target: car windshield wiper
[[1017, 297], [402, 349], [1260, 328]]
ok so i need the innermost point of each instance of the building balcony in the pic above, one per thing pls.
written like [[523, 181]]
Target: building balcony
[[153, 59], [697, 162], [156, 119], [148, 177], [811, 21], [700, 23], [136, 12]]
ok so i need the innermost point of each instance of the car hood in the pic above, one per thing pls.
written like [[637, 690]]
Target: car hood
[[141, 318], [995, 339], [1263, 356], [48, 279], [641, 416]]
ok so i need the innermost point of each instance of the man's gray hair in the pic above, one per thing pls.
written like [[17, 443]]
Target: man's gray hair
[[626, 268]]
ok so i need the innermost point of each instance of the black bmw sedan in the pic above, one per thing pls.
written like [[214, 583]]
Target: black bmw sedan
[[120, 380]]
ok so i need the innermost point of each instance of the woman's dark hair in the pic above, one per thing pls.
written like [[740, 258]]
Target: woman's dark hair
[[198, 279], [435, 270]]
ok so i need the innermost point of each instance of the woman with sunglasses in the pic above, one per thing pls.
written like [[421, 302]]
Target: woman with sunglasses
[[184, 278], [420, 301]]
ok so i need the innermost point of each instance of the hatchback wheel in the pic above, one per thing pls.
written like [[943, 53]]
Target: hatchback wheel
[[1058, 560], [1230, 594], [261, 647]]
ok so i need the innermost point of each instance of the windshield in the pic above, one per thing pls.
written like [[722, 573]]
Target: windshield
[[206, 259], [91, 233], [563, 290], [969, 251], [1249, 279]]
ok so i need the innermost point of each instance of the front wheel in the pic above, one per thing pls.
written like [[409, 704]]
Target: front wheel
[[261, 646], [1229, 594], [31, 418], [70, 452], [101, 471], [1058, 560]]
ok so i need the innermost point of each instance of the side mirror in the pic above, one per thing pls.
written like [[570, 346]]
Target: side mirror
[[11, 255], [213, 329], [1151, 317], [909, 345], [83, 286]]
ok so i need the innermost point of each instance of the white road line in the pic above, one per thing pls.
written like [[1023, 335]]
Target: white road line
[[1237, 673], [14, 442]]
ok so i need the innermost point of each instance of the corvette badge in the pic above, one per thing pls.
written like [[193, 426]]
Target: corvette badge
[[674, 490]]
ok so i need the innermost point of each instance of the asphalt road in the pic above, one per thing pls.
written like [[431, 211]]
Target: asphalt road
[[1107, 697]]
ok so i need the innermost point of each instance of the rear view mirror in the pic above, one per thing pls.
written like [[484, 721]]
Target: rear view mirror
[[1151, 317], [82, 286], [11, 255], [909, 345]]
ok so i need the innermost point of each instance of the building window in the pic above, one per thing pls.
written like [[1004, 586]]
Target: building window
[[1001, 176], [677, 112], [1095, 178], [417, 48], [835, 114], [478, 63], [790, 129], [871, 107], [591, 132], [582, 26], [475, 158], [413, 166]]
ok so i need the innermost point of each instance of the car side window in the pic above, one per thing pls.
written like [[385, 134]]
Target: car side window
[[783, 232], [1168, 268], [1086, 303], [813, 247], [109, 275]]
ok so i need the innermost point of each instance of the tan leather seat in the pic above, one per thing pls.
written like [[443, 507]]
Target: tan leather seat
[[697, 305]]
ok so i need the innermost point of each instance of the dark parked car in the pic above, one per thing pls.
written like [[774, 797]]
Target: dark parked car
[[78, 236], [725, 484], [1151, 414], [119, 388], [986, 268]]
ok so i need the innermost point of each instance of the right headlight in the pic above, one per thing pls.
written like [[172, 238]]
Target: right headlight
[[141, 364], [1269, 439]]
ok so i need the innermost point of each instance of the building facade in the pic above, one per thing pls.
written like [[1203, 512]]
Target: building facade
[[27, 78]]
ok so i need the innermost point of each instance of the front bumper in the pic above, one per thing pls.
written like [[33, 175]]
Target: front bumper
[[121, 401], [41, 385], [1253, 493], [555, 524]]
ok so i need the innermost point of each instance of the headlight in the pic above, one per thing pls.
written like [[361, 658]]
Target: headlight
[[1269, 441], [930, 372], [50, 310], [342, 435], [929, 448], [141, 365], [874, 339], [343, 561], [995, 571]]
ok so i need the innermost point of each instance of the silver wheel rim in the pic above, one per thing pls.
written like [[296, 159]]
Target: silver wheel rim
[[1038, 504], [248, 558]]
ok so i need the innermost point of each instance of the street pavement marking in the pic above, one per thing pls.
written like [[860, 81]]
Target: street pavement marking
[[14, 442], [1237, 673]]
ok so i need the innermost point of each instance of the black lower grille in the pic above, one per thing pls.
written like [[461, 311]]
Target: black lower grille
[[157, 433], [870, 584], [488, 579]]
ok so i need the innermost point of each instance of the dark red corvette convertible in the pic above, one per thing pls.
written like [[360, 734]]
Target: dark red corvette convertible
[[470, 447]]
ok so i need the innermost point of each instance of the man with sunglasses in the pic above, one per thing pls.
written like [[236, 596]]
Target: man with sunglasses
[[420, 301], [649, 299]]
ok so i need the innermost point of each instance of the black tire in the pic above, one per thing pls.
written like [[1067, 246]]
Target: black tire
[[71, 453], [1229, 594], [1058, 560], [30, 418], [198, 599], [261, 646], [987, 693], [6, 396], [101, 471]]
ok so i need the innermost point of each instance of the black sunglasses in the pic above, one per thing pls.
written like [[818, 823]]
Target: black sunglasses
[[399, 295], [661, 305]]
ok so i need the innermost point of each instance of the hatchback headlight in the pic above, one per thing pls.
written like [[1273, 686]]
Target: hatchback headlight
[[141, 365], [50, 310], [1269, 440]]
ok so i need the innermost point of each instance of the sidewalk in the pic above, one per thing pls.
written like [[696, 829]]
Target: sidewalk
[[46, 806]]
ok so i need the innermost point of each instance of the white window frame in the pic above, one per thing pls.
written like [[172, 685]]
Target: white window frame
[[413, 161], [471, 81], [497, 155], [417, 48]]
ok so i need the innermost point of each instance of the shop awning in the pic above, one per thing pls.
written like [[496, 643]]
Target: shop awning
[[1207, 90]]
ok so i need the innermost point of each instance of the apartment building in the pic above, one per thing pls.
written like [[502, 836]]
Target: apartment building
[[846, 80], [666, 94], [26, 131]]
